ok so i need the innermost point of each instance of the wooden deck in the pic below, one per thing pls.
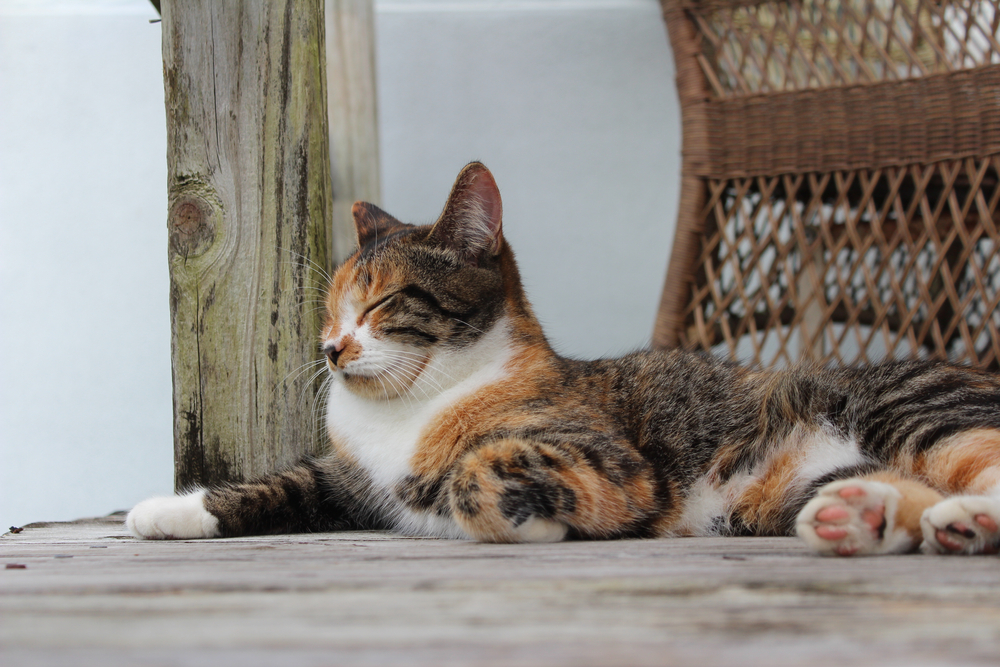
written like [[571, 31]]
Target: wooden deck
[[89, 594]]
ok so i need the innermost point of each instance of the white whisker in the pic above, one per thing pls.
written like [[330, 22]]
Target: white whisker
[[399, 385], [420, 376], [319, 409], [316, 375], [468, 325], [294, 374], [311, 263], [385, 390], [429, 371]]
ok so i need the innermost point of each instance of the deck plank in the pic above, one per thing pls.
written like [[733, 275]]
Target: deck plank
[[89, 594]]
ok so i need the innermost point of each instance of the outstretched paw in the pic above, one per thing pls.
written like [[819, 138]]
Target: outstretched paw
[[853, 517], [962, 525], [173, 518]]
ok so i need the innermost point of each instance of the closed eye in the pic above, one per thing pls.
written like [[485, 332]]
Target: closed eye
[[378, 304]]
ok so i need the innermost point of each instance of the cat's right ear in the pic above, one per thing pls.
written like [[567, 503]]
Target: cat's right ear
[[371, 222], [472, 218]]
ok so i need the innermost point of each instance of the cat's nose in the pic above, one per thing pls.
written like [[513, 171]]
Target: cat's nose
[[333, 348], [332, 351]]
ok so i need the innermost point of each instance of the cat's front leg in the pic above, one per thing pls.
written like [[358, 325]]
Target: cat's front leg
[[515, 490], [317, 495], [181, 517]]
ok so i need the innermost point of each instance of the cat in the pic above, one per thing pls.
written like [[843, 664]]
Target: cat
[[450, 415]]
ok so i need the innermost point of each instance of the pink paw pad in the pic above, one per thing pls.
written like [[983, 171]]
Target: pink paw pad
[[828, 517], [831, 532], [832, 514], [947, 537], [849, 518], [947, 542], [989, 524], [873, 517], [962, 525], [986, 522]]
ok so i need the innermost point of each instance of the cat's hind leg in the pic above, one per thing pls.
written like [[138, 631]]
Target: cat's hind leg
[[967, 465], [843, 517], [962, 525], [875, 514]]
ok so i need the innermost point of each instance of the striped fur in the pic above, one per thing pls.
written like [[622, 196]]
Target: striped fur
[[449, 414]]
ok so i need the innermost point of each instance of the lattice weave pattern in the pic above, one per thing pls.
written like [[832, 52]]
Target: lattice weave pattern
[[770, 47], [842, 188], [852, 266]]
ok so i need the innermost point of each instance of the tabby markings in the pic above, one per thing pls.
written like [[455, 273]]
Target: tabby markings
[[804, 456]]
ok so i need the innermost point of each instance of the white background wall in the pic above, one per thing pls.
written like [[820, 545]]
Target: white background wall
[[570, 103]]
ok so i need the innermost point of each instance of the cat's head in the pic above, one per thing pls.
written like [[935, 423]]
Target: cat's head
[[410, 293]]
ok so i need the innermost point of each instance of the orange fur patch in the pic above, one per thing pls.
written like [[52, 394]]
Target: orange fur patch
[[966, 463], [761, 505], [440, 446], [602, 507], [916, 497]]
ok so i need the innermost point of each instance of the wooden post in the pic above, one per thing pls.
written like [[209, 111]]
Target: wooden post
[[350, 76], [249, 215]]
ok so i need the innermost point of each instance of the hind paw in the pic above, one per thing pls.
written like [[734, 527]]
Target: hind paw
[[853, 517], [962, 525]]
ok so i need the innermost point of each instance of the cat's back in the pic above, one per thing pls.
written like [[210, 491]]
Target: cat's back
[[677, 386]]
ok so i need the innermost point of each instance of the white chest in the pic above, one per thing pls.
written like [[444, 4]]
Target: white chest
[[383, 435]]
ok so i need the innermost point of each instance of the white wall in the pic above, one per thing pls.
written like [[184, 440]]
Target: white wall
[[85, 400], [570, 103], [572, 106]]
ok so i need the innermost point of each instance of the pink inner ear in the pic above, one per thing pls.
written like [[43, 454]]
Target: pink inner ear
[[471, 220], [485, 190]]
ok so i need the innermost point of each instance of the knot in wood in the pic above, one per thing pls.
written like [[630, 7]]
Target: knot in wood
[[190, 227], [187, 218]]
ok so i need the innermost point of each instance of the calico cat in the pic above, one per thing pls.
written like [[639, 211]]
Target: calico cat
[[450, 415]]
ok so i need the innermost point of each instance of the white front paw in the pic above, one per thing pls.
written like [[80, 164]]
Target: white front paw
[[173, 518], [541, 530], [962, 525]]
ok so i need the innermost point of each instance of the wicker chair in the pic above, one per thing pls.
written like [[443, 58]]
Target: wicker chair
[[840, 180]]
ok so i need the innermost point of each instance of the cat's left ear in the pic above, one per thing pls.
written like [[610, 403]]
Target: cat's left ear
[[371, 222], [471, 221]]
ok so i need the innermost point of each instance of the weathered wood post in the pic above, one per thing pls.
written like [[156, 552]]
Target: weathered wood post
[[350, 75], [249, 229]]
